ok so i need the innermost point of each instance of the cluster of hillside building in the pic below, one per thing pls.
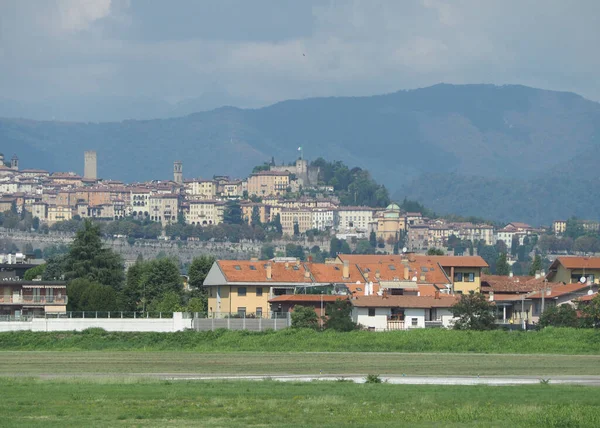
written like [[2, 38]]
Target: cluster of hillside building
[[58, 196]]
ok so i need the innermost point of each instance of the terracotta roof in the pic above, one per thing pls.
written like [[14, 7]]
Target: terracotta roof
[[370, 258], [588, 297], [429, 290], [306, 298], [515, 284], [455, 261], [579, 262], [323, 272], [404, 302], [560, 290], [249, 271], [359, 289]]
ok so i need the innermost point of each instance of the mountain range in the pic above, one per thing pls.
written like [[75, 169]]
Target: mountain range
[[507, 153]]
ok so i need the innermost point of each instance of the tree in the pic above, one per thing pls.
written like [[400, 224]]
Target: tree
[[296, 229], [305, 317], [339, 316], [590, 313], [574, 229], [267, 252], [149, 281], [536, 266], [559, 316], [293, 250], [87, 295], [502, 267], [88, 259], [335, 246], [232, 213], [345, 247], [514, 245], [435, 252], [364, 247], [474, 312], [373, 239], [169, 301], [34, 272], [255, 219]]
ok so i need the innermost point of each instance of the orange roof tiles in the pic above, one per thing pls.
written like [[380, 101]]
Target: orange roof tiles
[[516, 284], [579, 262], [323, 272], [249, 271], [306, 298], [560, 290], [404, 302], [454, 261], [588, 297]]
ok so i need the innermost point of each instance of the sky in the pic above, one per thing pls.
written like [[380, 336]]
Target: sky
[[120, 59]]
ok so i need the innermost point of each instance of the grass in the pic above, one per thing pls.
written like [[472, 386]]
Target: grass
[[61, 403], [39, 363], [547, 341]]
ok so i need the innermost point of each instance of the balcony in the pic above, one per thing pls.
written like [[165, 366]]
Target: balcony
[[33, 300]]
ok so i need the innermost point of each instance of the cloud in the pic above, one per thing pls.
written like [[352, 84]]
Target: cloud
[[78, 15], [263, 51]]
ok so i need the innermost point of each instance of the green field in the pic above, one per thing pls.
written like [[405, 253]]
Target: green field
[[547, 341], [137, 402], [36, 363]]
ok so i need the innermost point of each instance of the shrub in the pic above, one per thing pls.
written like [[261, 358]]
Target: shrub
[[373, 378], [559, 316], [305, 317]]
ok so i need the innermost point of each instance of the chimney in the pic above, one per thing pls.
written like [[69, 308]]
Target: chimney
[[491, 298], [406, 272], [422, 278], [287, 265], [377, 274], [548, 292], [306, 274], [437, 294], [510, 275], [537, 274], [346, 270], [366, 274], [269, 272]]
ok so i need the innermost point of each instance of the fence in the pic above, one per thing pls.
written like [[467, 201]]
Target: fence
[[235, 321]]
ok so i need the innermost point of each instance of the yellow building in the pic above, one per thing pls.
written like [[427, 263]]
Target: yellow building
[[390, 222], [58, 213], [205, 212], [559, 227], [464, 271], [570, 270], [244, 287], [301, 217], [201, 189], [266, 183], [163, 208]]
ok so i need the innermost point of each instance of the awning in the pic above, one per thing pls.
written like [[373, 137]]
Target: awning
[[43, 286], [406, 285]]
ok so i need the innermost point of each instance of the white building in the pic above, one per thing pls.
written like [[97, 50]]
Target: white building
[[347, 218]]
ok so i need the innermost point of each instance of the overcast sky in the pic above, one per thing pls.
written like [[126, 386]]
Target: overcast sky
[[256, 52]]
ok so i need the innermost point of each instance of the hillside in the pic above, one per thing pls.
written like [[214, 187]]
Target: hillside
[[499, 133]]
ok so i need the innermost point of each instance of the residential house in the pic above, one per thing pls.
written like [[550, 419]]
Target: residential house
[[560, 294], [386, 312], [570, 270], [268, 183]]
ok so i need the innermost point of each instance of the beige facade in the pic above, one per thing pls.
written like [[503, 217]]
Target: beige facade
[[559, 227], [140, 203], [390, 223], [39, 210], [163, 208], [358, 218], [232, 189], [205, 212], [267, 183], [290, 217], [322, 218], [201, 189], [58, 213]]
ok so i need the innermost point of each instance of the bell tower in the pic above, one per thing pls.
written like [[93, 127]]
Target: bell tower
[[178, 172]]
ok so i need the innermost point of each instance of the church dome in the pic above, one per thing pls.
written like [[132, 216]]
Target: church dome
[[392, 207]]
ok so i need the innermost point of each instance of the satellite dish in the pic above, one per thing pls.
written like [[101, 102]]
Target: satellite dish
[[404, 250], [357, 282], [583, 279], [414, 278], [590, 292]]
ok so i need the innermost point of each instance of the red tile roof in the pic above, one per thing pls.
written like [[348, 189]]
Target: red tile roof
[[455, 261], [579, 262], [323, 272], [249, 271], [296, 298], [560, 290], [516, 284], [588, 297], [404, 302]]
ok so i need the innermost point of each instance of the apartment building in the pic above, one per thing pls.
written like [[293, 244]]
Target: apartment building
[[200, 189], [58, 213], [163, 208], [290, 217], [268, 183], [353, 218], [204, 212]]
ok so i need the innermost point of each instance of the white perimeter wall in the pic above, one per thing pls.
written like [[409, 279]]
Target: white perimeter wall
[[177, 323]]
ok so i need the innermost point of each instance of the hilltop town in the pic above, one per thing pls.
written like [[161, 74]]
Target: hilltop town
[[290, 201]]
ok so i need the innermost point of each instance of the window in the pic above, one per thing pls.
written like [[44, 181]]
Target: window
[[259, 291], [241, 291], [458, 276], [469, 277], [414, 322], [242, 311], [258, 312], [371, 312], [237, 267], [252, 267], [392, 267]]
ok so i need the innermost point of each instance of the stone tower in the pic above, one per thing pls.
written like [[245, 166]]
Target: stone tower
[[14, 163], [178, 172], [89, 165]]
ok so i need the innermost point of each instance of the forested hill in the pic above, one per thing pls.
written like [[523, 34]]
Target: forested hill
[[506, 133]]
